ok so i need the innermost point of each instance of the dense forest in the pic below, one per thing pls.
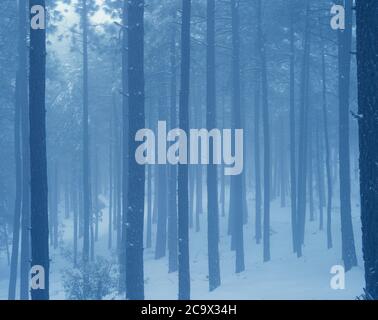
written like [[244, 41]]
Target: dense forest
[[188, 149]]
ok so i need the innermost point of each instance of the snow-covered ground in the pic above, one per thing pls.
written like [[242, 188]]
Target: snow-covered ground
[[284, 277]]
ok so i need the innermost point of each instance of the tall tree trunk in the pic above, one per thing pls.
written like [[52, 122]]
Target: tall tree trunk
[[75, 209], [212, 188], [328, 153], [319, 172], [236, 189], [86, 165], [111, 171], [96, 193], [303, 134], [199, 208], [38, 160], [25, 214], [55, 191], [191, 182], [258, 219], [266, 130], [161, 232], [293, 155], [309, 167], [118, 131], [367, 62], [345, 45], [183, 201], [172, 178], [21, 109], [67, 197], [125, 149], [149, 208], [282, 162], [136, 173]]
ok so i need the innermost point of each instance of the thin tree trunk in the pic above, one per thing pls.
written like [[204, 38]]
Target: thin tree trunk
[[111, 187], [20, 120], [328, 154], [282, 163], [293, 155], [55, 191], [319, 176], [125, 150], [75, 209], [309, 167], [258, 219], [86, 165], [161, 233], [199, 208], [303, 133], [172, 197], [149, 208]]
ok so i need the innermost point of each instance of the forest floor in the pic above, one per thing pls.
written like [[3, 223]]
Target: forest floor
[[284, 277]]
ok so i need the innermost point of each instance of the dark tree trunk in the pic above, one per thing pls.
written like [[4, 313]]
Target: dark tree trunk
[[199, 208], [345, 45], [38, 160], [125, 148], [303, 139], [266, 130], [136, 173], [191, 182], [149, 208], [212, 189], [236, 199], [183, 201], [25, 214], [155, 195], [172, 178], [367, 61]]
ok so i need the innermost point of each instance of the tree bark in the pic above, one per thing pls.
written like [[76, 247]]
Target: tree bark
[[183, 201], [136, 173], [38, 159], [367, 63]]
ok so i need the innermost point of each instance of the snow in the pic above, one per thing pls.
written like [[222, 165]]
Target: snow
[[284, 277]]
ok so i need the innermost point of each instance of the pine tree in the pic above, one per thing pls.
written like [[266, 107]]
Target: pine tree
[[135, 209], [367, 62], [38, 160], [212, 188], [183, 201]]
